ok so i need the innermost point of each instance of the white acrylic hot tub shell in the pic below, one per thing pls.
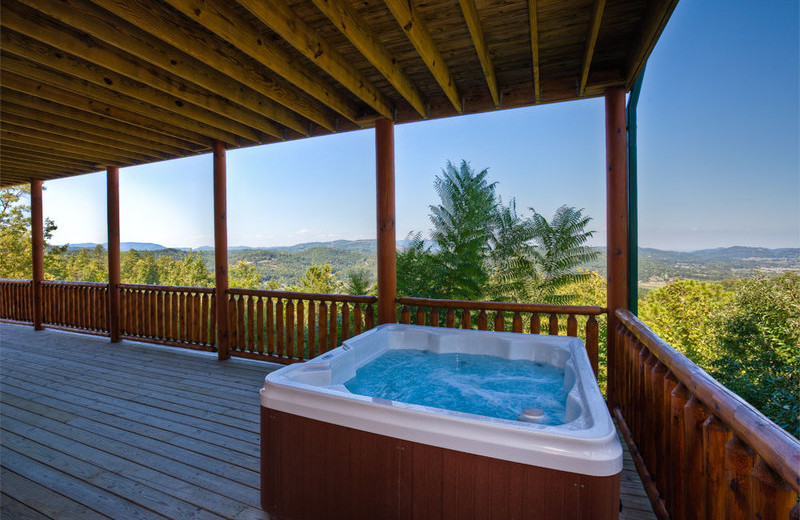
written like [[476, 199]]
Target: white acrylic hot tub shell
[[586, 444]]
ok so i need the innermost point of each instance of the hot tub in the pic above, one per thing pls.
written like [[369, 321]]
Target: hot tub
[[329, 453]]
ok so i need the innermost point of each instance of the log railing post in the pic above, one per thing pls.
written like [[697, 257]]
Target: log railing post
[[114, 277], [616, 221], [221, 250], [37, 252], [387, 261]]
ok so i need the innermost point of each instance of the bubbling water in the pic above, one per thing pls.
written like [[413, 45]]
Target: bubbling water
[[476, 384]]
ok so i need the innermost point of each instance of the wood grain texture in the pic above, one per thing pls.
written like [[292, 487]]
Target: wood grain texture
[[125, 432]]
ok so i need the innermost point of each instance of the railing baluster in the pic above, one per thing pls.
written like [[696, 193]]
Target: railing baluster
[[251, 324], [357, 327], [450, 319], [369, 318], [739, 461], [270, 327], [420, 318], [323, 327], [695, 416], [572, 326], [483, 320], [260, 325], [405, 315], [771, 494], [345, 322], [279, 327], [536, 323], [290, 328], [678, 399], [332, 335], [516, 322], [553, 324], [466, 319], [499, 322], [715, 437], [434, 317], [301, 354], [312, 330]]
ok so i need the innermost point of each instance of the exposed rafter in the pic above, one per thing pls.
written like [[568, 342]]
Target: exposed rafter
[[470, 12], [66, 94], [349, 22], [279, 17], [409, 19], [11, 114], [76, 121], [179, 97], [533, 17], [591, 41], [216, 16], [158, 22]]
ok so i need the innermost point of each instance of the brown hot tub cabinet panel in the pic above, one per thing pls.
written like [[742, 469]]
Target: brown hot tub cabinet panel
[[314, 470]]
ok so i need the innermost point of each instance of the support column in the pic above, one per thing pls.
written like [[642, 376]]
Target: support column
[[221, 249], [387, 240], [37, 251], [114, 277], [616, 220]]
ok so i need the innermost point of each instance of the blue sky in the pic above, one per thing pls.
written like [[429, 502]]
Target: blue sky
[[719, 157]]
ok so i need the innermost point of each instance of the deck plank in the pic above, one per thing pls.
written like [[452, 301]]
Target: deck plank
[[129, 430]]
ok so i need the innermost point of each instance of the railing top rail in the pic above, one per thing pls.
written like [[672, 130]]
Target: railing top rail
[[292, 295], [503, 306], [74, 284], [15, 281], [166, 288], [774, 445]]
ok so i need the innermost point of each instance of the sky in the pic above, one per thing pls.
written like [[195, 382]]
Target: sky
[[719, 157]]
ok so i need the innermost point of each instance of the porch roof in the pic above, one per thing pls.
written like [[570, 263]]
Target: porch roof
[[90, 84]]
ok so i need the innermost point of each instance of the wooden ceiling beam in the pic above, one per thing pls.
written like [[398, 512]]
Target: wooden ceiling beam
[[409, 19], [650, 30], [31, 145], [470, 12], [29, 157], [59, 56], [65, 89], [591, 42], [67, 144], [283, 103], [533, 18], [279, 17], [86, 48], [38, 166], [217, 16], [10, 114], [349, 22], [91, 122]]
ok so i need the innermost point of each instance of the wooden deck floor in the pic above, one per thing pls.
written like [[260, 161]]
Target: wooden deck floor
[[91, 430]]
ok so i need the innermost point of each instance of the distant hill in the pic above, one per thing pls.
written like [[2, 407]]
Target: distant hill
[[287, 264]]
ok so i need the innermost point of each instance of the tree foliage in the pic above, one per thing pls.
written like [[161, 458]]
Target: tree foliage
[[745, 334], [484, 249]]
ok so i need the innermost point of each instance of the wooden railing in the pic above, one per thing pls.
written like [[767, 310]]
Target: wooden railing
[[80, 306], [511, 317], [177, 316], [702, 451], [286, 326], [16, 300]]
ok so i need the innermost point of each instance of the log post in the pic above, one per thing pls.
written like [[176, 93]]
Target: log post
[[114, 277], [616, 221], [221, 250], [387, 261], [37, 252]]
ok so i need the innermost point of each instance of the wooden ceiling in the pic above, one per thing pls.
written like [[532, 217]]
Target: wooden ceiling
[[86, 84]]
